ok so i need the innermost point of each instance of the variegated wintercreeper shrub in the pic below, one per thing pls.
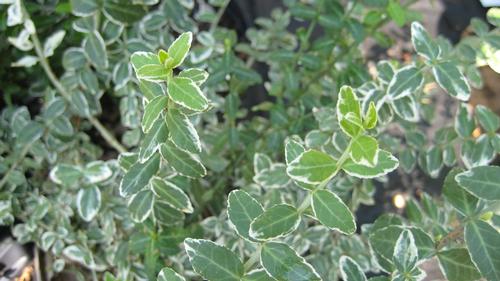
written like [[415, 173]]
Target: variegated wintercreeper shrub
[[208, 187]]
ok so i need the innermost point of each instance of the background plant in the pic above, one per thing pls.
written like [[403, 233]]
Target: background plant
[[300, 162]]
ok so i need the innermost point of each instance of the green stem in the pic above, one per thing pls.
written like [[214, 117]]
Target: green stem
[[345, 155], [253, 258], [218, 16], [105, 133]]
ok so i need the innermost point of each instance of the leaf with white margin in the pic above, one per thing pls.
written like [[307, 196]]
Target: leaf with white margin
[[141, 205], [168, 274], [178, 49], [277, 221], [283, 263], [312, 166], [350, 270], [97, 171], [406, 108], [52, 42], [138, 176], [171, 194], [405, 82], [197, 75], [423, 43], [65, 174], [185, 163], [152, 111], [452, 80], [273, 177], [242, 209], [182, 132], [257, 275], [88, 202], [482, 181], [364, 151], [140, 59], [26, 61], [332, 212], [260, 162], [405, 255], [386, 163], [347, 103], [95, 49], [457, 265], [213, 262], [186, 93], [483, 243]]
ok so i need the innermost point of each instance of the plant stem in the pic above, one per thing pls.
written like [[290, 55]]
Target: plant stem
[[24, 151], [452, 235], [218, 16], [105, 133], [345, 155], [253, 258]]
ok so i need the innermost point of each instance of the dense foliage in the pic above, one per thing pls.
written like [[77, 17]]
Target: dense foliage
[[129, 151]]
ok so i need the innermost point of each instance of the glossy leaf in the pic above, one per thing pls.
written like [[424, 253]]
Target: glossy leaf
[[483, 243], [182, 161], [186, 93], [171, 194], [139, 175], [242, 209], [483, 182], [452, 80], [274, 222], [332, 212], [312, 167], [213, 262], [182, 132]]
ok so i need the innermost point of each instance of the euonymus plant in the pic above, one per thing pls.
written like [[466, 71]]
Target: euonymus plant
[[133, 145]]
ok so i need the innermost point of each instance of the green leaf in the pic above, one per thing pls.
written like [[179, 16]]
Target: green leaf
[[182, 161], [370, 120], [257, 275], [434, 161], [171, 194], [186, 93], [483, 243], [364, 151], [141, 205], [396, 12], [153, 73], [332, 212], [383, 241], [312, 166], [406, 108], [140, 59], [95, 49], [65, 174], [283, 263], [487, 118], [464, 123], [350, 270], [84, 8], [178, 49], [242, 209], [457, 265], [478, 152], [157, 135], [96, 171], [88, 202], [197, 75], [123, 11], [166, 215], [452, 80], [405, 255], [493, 16], [273, 177], [386, 163], [293, 149], [423, 43], [483, 182], [274, 222], [168, 274], [152, 111], [462, 200], [405, 82], [30, 133], [181, 132], [347, 103], [351, 124], [138, 176], [213, 262], [261, 162]]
